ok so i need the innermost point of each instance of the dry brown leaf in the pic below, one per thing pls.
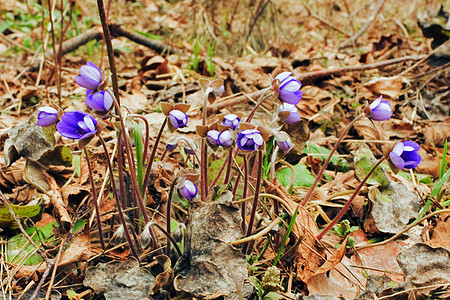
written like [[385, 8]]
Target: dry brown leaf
[[334, 259], [78, 250], [389, 87], [338, 282], [437, 133], [314, 98], [440, 234]]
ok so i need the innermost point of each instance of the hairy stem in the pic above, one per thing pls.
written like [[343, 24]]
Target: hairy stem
[[94, 198], [349, 202], [169, 206], [109, 48], [152, 156], [255, 201], [325, 164], [116, 195]]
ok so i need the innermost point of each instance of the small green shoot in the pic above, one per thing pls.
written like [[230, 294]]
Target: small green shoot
[[288, 233], [139, 146], [343, 229]]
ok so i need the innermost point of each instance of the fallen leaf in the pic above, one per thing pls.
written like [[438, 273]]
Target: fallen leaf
[[210, 267], [424, 266], [389, 87], [121, 280], [440, 234]]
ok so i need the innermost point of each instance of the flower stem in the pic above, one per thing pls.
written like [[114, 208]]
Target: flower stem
[[94, 198], [109, 48], [219, 173], [244, 193], [229, 165], [349, 202], [255, 201], [116, 195], [152, 156], [168, 217], [204, 155], [325, 164], [130, 160], [263, 97]]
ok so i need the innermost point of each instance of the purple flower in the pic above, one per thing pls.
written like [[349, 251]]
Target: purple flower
[[77, 125], [292, 117], [99, 101], [172, 143], [289, 88], [47, 116], [225, 139], [249, 140], [380, 110], [213, 137], [187, 189], [283, 141], [90, 76], [231, 120], [189, 146], [405, 156], [178, 119]]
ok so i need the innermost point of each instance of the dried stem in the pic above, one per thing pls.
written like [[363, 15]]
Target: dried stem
[[349, 202], [94, 198], [325, 164]]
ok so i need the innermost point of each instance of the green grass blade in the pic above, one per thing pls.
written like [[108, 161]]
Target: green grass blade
[[288, 232], [139, 154]]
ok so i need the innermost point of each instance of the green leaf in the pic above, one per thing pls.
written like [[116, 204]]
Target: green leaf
[[16, 252], [6, 218], [365, 161], [79, 224], [303, 176], [336, 161]]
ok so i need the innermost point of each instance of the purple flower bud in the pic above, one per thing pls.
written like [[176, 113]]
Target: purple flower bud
[[405, 156], [293, 117], [289, 88], [47, 116], [225, 139], [77, 125], [178, 119], [90, 76], [231, 120], [172, 143], [283, 141], [213, 137], [187, 189], [249, 140], [189, 146], [99, 101], [380, 109]]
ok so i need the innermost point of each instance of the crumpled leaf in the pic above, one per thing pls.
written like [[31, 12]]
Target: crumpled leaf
[[6, 218], [425, 266], [338, 282], [210, 267], [393, 203], [393, 207], [120, 280], [389, 87], [441, 232], [28, 140]]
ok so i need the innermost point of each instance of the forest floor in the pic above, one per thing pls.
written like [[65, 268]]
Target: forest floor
[[393, 242]]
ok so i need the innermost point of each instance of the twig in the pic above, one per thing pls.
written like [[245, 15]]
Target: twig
[[259, 234], [310, 77], [351, 41]]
